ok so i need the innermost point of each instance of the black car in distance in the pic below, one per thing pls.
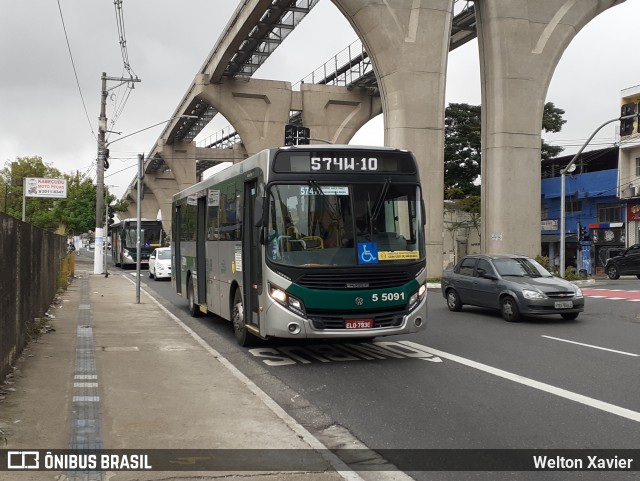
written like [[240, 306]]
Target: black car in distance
[[626, 263]]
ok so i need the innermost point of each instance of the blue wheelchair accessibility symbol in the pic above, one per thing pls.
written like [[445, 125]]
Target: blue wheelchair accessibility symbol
[[367, 253]]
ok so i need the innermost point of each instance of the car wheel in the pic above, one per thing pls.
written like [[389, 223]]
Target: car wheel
[[243, 336], [194, 310], [612, 272], [509, 309], [150, 275], [570, 316], [155, 275], [453, 300]]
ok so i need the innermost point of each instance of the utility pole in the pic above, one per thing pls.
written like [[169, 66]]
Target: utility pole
[[100, 244], [102, 132]]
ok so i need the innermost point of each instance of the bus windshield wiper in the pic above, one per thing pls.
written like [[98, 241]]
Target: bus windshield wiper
[[377, 207], [319, 191]]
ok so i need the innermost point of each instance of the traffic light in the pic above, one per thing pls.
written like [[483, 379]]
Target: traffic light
[[626, 125], [289, 134], [294, 135], [303, 135], [111, 219], [582, 232]]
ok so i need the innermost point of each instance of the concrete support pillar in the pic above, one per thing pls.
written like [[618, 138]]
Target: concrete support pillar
[[130, 197], [520, 43], [181, 159], [163, 186], [258, 109], [408, 42], [149, 208], [334, 114]]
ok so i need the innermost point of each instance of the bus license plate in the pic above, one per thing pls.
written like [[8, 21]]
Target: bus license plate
[[358, 324], [564, 304]]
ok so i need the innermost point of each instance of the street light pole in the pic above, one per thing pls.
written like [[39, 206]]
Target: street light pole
[[139, 224], [563, 172], [139, 197]]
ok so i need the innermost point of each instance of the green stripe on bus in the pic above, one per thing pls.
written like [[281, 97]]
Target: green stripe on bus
[[360, 299]]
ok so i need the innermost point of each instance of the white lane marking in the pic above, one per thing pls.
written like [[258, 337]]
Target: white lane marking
[[341, 468], [592, 346], [572, 396]]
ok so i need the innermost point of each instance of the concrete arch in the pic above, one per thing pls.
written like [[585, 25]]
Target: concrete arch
[[335, 113], [257, 109]]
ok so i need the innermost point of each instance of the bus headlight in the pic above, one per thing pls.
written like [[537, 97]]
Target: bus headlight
[[417, 297], [294, 304]]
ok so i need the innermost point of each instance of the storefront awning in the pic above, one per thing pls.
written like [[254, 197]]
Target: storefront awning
[[568, 238]]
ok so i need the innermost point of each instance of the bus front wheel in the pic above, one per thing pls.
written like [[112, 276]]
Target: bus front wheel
[[243, 336], [194, 309]]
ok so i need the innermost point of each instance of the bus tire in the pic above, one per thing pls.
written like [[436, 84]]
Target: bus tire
[[194, 309], [243, 336]]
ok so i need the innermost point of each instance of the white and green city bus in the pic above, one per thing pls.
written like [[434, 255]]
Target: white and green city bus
[[313, 241], [124, 240]]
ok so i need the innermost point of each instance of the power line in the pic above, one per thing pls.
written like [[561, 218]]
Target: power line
[[75, 73]]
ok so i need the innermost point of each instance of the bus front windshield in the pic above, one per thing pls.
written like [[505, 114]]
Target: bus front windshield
[[345, 225], [150, 236]]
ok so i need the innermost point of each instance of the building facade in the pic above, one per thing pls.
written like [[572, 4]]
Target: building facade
[[595, 217]]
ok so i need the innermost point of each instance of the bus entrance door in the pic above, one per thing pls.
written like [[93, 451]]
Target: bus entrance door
[[251, 258], [201, 256]]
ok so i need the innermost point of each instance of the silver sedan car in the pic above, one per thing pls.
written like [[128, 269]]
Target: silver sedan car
[[516, 285]]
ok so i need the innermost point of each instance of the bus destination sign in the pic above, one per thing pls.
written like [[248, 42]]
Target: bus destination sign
[[336, 162]]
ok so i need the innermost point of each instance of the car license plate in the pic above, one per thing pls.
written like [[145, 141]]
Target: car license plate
[[564, 304], [358, 324]]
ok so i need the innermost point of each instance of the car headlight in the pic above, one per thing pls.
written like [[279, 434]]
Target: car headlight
[[417, 296], [294, 304], [531, 294], [578, 292]]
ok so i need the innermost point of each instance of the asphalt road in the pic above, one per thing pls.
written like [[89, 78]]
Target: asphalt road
[[470, 381]]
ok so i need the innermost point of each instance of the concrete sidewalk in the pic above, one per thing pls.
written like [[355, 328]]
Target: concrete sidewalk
[[113, 374]]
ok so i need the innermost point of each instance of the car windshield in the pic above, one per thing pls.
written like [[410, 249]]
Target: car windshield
[[164, 254], [343, 225], [520, 267]]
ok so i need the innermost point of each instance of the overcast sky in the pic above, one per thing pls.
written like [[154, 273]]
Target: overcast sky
[[42, 111]]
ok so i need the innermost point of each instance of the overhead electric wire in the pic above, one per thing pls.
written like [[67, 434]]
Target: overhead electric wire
[[75, 73], [120, 105], [123, 41]]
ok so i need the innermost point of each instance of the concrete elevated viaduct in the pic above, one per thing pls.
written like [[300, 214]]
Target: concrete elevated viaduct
[[408, 41]]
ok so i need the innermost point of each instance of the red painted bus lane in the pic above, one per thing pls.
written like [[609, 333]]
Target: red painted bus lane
[[612, 294]]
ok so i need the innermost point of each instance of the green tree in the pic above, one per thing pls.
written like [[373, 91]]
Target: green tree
[[77, 213], [462, 146], [461, 150], [74, 215], [38, 211], [552, 121]]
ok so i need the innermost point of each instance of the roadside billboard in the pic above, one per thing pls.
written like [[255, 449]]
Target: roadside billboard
[[38, 187]]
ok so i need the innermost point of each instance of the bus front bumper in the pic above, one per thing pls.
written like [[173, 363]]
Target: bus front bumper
[[282, 323]]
